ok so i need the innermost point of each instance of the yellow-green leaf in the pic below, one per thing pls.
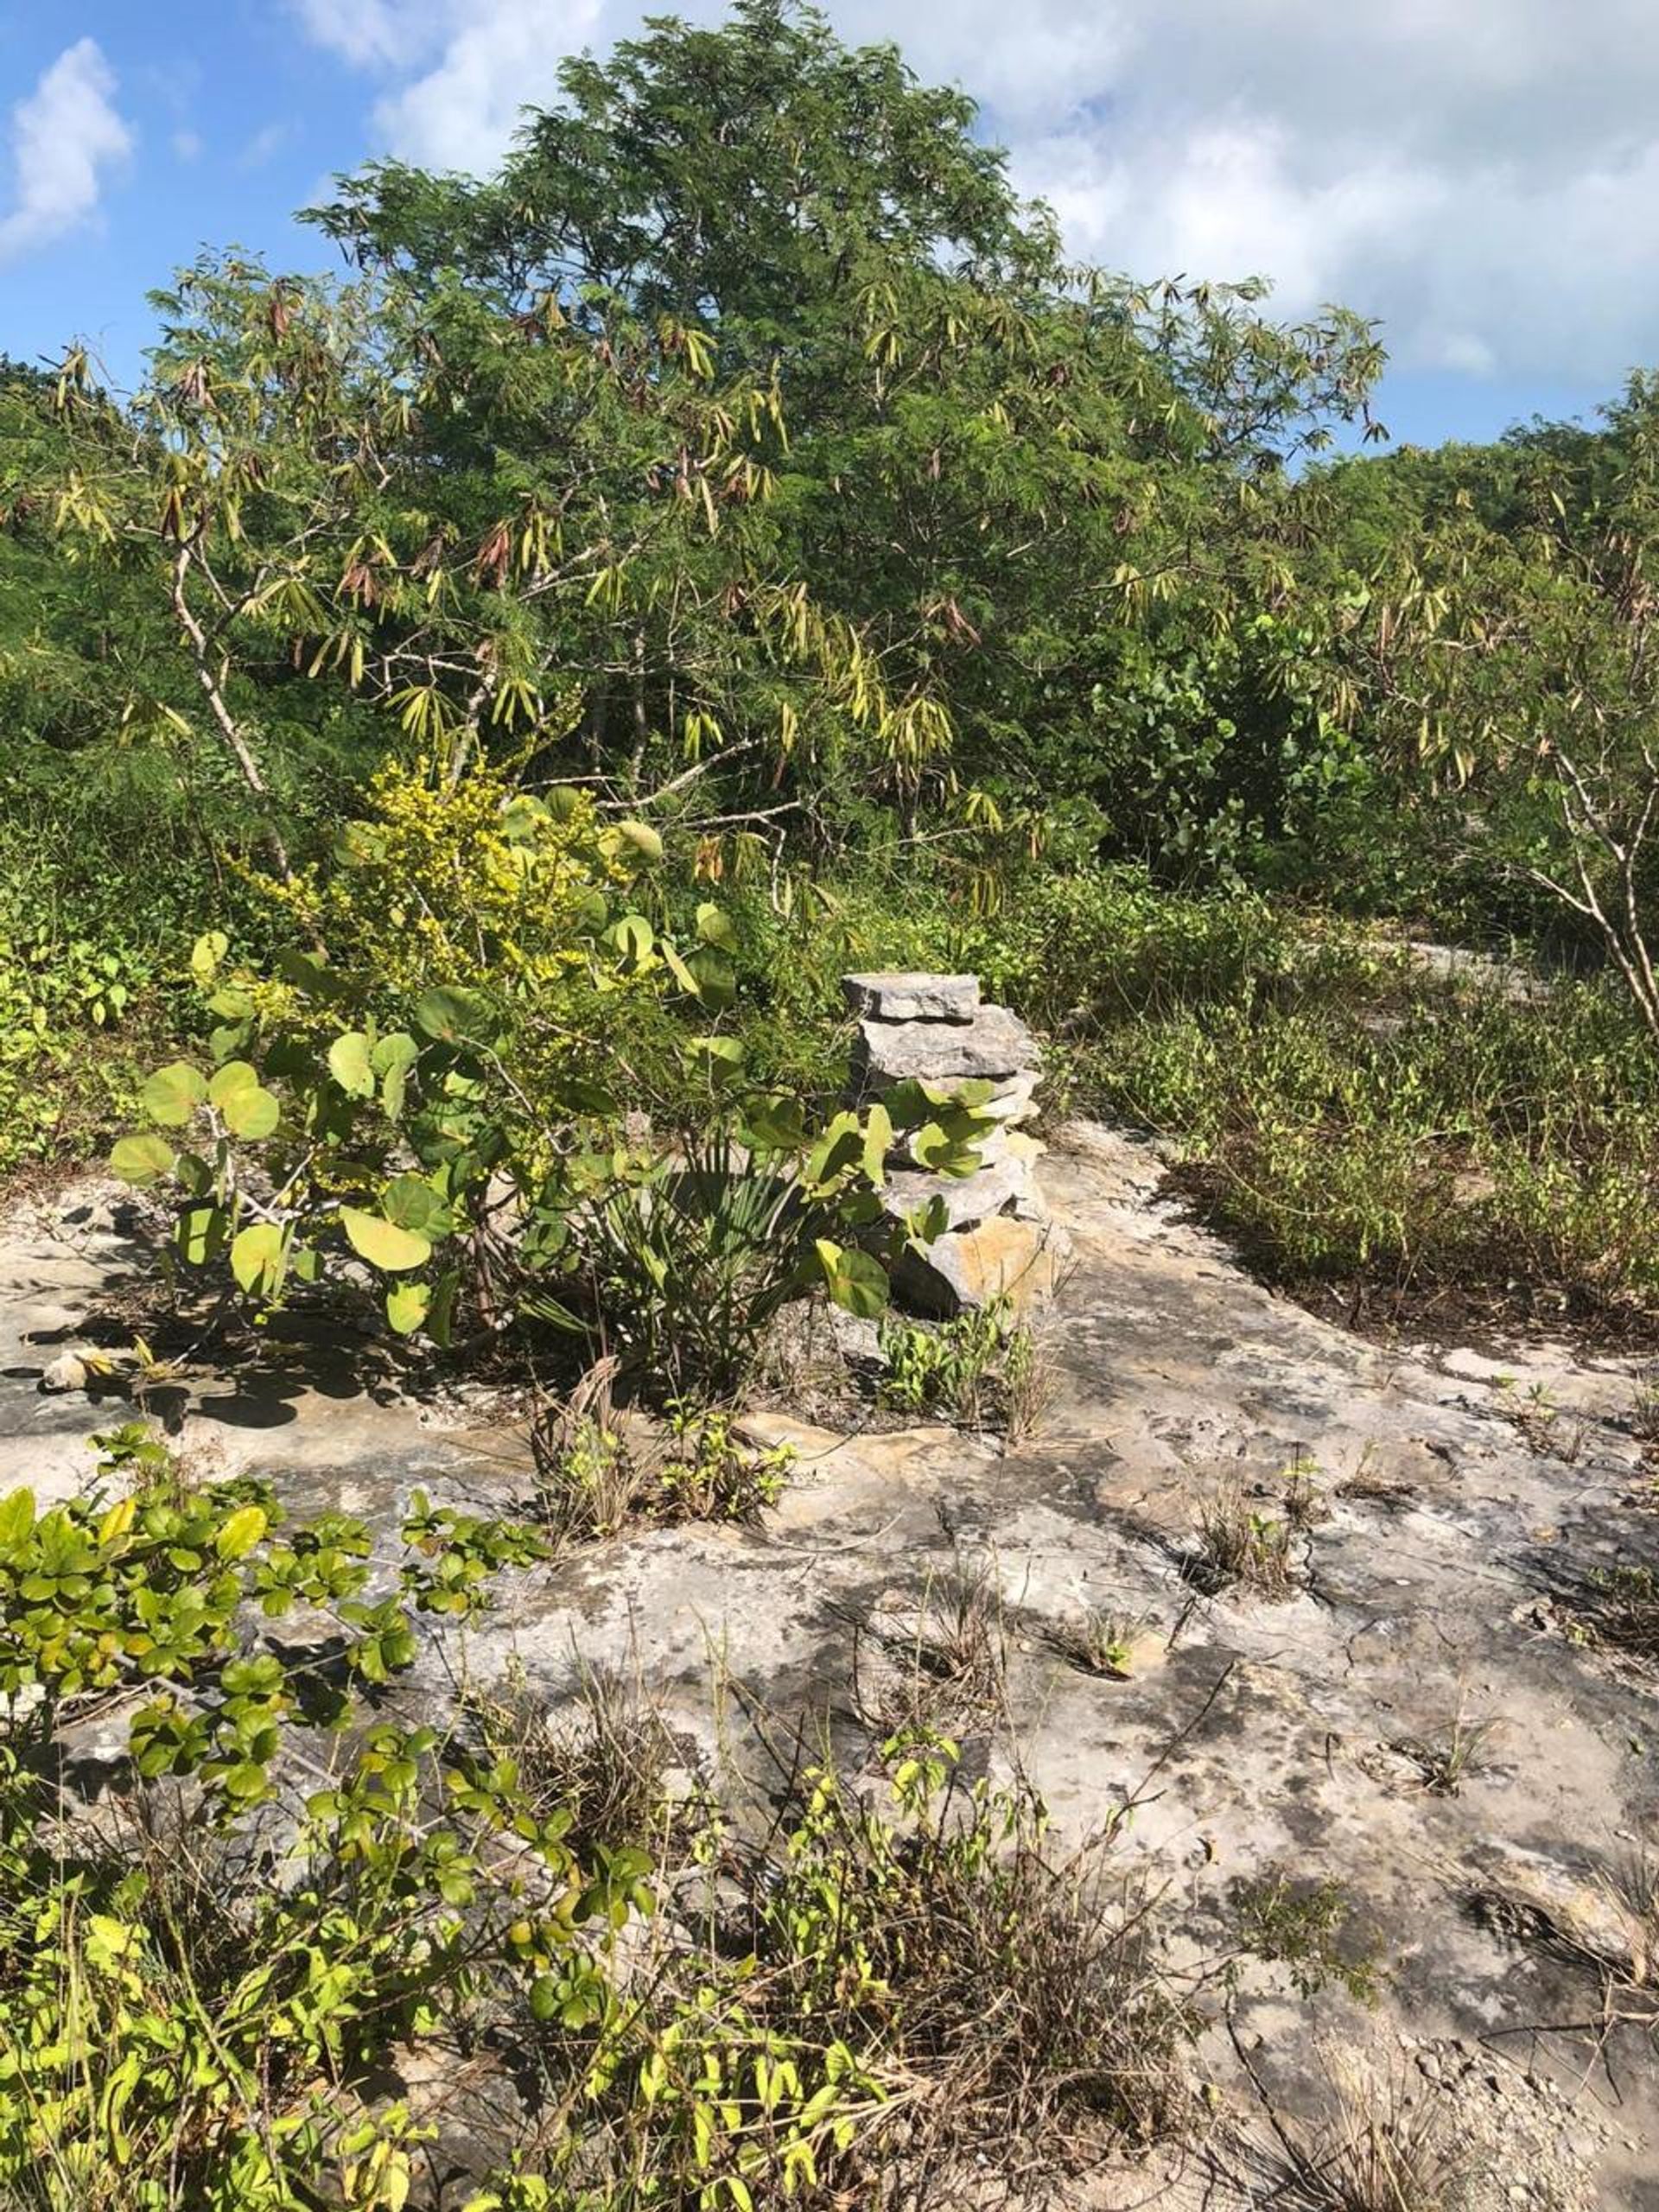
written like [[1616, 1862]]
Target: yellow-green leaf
[[238, 1535], [382, 1243], [173, 1094], [406, 1305], [257, 1257], [140, 1159], [348, 1063]]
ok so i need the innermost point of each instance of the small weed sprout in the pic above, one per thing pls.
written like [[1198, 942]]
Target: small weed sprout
[[1237, 1543], [1304, 1505], [1447, 1756], [981, 1369], [1303, 1926], [596, 1480], [1099, 1642]]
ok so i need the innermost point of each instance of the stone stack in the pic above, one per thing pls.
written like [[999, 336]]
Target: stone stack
[[999, 1242]]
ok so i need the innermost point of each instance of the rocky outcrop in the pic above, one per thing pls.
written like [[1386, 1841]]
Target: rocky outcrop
[[999, 1241]]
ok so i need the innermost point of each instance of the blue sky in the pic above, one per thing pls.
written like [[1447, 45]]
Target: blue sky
[[1482, 174]]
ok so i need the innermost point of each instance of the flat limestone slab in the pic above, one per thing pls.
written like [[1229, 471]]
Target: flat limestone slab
[[994, 1046], [911, 995]]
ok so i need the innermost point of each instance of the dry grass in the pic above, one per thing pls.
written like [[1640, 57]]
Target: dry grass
[[1620, 1608], [1391, 2146], [1236, 1542], [603, 1759], [1447, 1756]]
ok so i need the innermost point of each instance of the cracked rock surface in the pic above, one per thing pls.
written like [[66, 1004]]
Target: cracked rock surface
[[1253, 1733]]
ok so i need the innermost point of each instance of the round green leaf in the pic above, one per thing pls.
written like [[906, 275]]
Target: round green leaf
[[257, 1257], [252, 1114], [632, 937], [457, 1016], [715, 927], [406, 1305], [207, 953], [140, 1159], [173, 1094], [382, 1242], [201, 1234], [859, 1283], [348, 1063], [716, 977], [642, 837], [410, 1201]]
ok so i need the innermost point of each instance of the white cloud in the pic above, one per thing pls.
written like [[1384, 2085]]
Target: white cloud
[[65, 134], [264, 145], [1480, 175]]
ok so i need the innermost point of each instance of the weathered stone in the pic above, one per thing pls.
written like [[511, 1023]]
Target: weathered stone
[[1012, 1102], [1003, 1257], [1003, 1188], [910, 996], [993, 1047]]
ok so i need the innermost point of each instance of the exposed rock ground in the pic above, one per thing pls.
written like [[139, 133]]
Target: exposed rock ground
[[1251, 1734]]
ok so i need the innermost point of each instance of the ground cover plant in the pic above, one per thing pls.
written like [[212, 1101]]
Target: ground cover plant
[[289, 1894]]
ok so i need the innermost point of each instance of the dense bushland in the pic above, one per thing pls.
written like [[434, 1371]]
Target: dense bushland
[[745, 464]]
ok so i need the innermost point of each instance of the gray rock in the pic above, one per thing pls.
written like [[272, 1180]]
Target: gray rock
[[911, 996], [1012, 1102], [994, 1045], [1005, 1187]]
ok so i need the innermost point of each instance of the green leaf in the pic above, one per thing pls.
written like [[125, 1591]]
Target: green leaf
[[244, 1106], [716, 977], [878, 1142], [201, 1234], [173, 1094], [206, 954], [715, 926], [943, 1153], [859, 1284], [678, 969], [839, 1147], [349, 1065], [632, 938], [16, 1517], [257, 1257], [407, 1304], [775, 1124], [140, 1159], [306, 973], [382, 1243], [391, 1060], [410, 1201], [237, 1536], [457, 1016], [721, 1057], [252, 1114], [642, 837]]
